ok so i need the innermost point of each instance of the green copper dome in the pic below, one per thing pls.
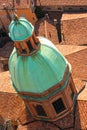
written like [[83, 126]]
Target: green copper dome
[[39, 72], [20, 29]]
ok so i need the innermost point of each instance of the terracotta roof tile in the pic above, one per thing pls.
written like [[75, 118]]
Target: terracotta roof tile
[[74, 28], [5, 83], [78, 61], [17, 3], [79, 84], [83, 95], [69, 49], [45, 27], [11, 104], [61, 2], [70, 16], [81, 116]]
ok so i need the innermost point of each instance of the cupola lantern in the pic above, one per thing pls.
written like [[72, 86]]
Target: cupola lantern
[[22, 33], [39, 73]]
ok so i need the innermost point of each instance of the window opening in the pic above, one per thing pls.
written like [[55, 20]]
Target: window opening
[[29, 45], [40, 111], [59, 106]]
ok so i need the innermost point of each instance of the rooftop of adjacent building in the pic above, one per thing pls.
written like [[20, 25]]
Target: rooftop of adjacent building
[[16, 3], [45, 27], [61, 2], [71, 16]]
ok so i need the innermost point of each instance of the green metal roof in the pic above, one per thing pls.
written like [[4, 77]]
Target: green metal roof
[[20, 29], [38, 72]]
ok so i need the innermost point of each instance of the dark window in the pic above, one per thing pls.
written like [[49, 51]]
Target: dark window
[[59, 8], [70, 8], [24, 51], [48, 8], [40, 111], [29, 45], [81, 9], [58, 106]]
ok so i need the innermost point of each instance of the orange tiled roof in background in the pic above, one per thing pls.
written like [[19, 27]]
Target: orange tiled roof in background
[[74, 28], [16, 3], [11, 104], [78, 61], [5, 83], [61, 2], [70, 16], [45, 27], [69, 49]]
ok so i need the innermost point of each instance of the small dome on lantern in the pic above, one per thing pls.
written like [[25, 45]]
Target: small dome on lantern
[[20, 29]]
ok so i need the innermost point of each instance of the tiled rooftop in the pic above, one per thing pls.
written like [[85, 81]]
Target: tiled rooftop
[[69, 16], [74, 28], [17, 3], [69, 49], [80, 85], [83, 95], [61, 2], [78, 61], [5, 82], [45, 27]]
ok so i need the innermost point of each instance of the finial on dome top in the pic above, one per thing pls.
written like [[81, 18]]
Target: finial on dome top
[[15, 17]]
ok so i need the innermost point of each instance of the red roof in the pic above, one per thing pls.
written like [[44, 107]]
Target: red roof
[[17, 3], [45, 27], [69, 49], [5, 83], [61, 2], [78, 61]]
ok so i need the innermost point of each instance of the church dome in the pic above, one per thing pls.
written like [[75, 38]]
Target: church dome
[[39, 72], [20, 29]]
